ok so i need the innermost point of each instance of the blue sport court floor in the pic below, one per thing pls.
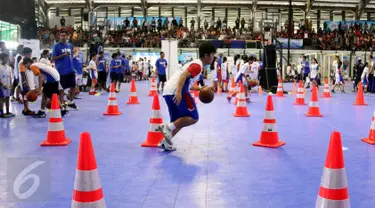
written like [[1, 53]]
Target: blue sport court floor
[[215, 165]]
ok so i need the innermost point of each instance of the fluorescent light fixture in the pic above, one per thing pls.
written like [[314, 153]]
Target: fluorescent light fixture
[[226, 2], [172, 2], [117, 1], [333, 5], [65, 1], [280, 3]]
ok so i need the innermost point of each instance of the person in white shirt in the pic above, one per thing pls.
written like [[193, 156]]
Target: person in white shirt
[[254, 72], [5, 86], [145, 69], [213, 73], [241, 76], [225, 74], [314, 74], [93, 73], [140, 68], [364, 77], [44, 58]]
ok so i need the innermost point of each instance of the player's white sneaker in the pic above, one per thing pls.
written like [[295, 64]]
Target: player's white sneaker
[[165, 146], [167, 133]]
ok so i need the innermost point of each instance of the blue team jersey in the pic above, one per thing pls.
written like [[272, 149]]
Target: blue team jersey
[[63, 65], [306, 68], [112, 65], [77, 63], [119, 63], [102, 63], [161, 65], [125, 64]]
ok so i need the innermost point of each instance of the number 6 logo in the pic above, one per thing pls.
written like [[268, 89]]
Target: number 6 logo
[[23, 177]]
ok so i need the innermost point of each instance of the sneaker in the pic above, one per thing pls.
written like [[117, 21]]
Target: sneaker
[[28, 113], [40, 114], [77, 97], [165, 146], [167, 133], [9, 115], [73, 105], [64, 112]]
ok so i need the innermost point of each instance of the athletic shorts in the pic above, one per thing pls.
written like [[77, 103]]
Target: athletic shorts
[[120, 77], [102, 76], [127, 72], [15, 82], [365, 82], [162, 78], [51, 88], [187, 107], [113, 76], [79, 79], [4, 92], [68, 80]]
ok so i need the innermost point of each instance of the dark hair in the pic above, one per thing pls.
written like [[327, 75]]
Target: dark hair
[[236, 57], [245, 58], [316, 61], [371, 57], [3, 55], [161, 52], [101, 52], [92, 55], [27, 50], [27, 61], [206, 49], [251, 58], [45, 52], [63, 31], [34, 58], [212, 66], [114, 55], [224, 59]]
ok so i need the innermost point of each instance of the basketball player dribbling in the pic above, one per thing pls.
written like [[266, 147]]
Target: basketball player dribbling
[[181, 106]]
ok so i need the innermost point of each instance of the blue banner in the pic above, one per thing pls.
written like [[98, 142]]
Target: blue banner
[[333, 25], [294, 43]]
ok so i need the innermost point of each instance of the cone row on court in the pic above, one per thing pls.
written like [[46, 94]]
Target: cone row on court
[[360, 99], [269, 136], [133, 98], [300, 97], [280, 91], [314, 110], [87, 191], [153, 90], [326, 90], [154, 136], [333, 192], [241, 109], [112, 108], [371, 136], [56, 132]]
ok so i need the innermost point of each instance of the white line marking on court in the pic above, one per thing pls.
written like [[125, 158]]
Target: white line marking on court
[[345, 148]]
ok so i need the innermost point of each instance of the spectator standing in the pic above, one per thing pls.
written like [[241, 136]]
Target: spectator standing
[[161, 66], [62, 22], [243, 22], [371, 79], [62, 56], [192, 23], [126, 23], [218, 24], [153, 24]]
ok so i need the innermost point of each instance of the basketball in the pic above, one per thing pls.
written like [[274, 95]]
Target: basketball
[[206, 95], [32, 96], [252, 83]]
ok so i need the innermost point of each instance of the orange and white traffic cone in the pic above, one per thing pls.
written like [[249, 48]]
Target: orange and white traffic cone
[[153, 90], [133, 98], [269, 136], [241, 109], [154, 136], [294, 88], [112, 108], [280, 91], [56, 133], [314, 110], [326, 90], [371, 135], [333, 192], [238, 88], [87, 187], [300, 99], [360, 99]]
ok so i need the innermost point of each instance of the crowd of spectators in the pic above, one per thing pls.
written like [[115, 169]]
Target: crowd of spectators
[[149, 35]]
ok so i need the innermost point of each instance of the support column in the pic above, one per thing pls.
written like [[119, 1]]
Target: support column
[[226, 13], [318, 20], [368, 16], [199, 13], [57, 12], [173, 12], [239, 12], [106, 12], [159, 12], [213, 13], [70, 12], [186, 17], [119, 12], [132, 12], [253, 14], [343, 15], [290, 28], [82, 13], [331, 15]]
